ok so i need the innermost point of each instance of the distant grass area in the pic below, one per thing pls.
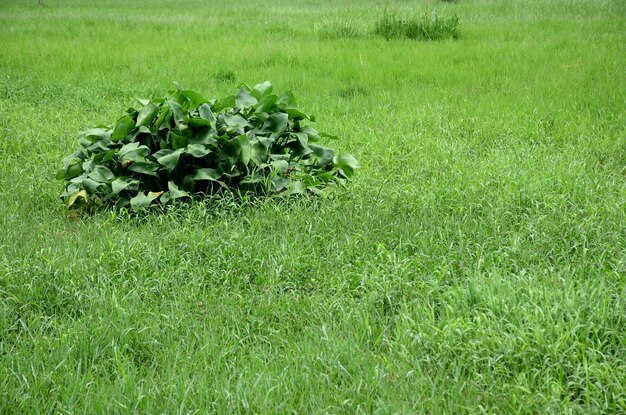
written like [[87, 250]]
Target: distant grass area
[[476, 264]]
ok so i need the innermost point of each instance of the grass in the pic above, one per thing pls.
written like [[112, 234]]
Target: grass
[[475, 265], [393, 24]]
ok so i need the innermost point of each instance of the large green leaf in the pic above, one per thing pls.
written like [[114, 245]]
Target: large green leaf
[[71, 170], [147, 114], [174, 192], [147, 168], [197, 122], [178, 141], [195, 98], [312, 134], [246, 151], [163, 121], [133, 151], [286, 100], [280, 166], [197, 150], [260, 91], [276, 124], [123, 127], [207, 174], [205, 113], [170, 161], [177, 111], [204, 135], [243, 98], [258, 153], [347, 163], [143, 200], [265, 106], [228, 102], [323, 154], [121, 184], [100, 132], [91, 186], [236, 121], [101, 174]]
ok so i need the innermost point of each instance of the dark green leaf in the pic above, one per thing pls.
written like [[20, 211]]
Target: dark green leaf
[[143, 200], [170, 161], [198, 122], [323, 154], [286, 100], [246, 151], [276, 124], [91, 185], [178, 141], [236, 121], [280, 166], [133, 151], [206, 113], [260, 91], [147, 168], [204, 136], [123, 127], [303, 138], [163, 121], [312, 133], [258, 153], [147, 114], [294, 114], [195, 98], [71, 171], [228, 102], [197, 150], [101, 174], [177, 111], [243, 98], [174, 192], [265, 106], [347, 163], [120, 184], [207, 174]]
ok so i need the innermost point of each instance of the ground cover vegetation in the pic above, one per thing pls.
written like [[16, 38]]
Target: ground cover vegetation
[[185, 145], [475, 264]]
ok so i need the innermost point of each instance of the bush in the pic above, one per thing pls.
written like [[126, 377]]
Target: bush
[[393, 25], [183, 145]]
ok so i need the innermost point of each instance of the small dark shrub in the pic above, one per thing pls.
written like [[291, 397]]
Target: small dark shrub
[[183, 145], [394, 25]]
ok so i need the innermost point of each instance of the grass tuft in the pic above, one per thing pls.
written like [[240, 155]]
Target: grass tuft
[[398, 25], [338, 29]]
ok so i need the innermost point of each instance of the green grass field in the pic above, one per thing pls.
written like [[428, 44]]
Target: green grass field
[[475, 264]]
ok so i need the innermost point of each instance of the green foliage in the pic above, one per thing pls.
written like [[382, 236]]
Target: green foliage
[[393, 25], [183, 145], [338, 29]]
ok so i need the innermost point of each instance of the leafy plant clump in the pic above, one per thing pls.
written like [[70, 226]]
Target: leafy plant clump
[[184, 145], [392, 25]]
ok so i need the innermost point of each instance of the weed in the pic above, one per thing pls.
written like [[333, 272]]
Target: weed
[[184, 144], [224, 75], [394, 25], [338, 29]]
